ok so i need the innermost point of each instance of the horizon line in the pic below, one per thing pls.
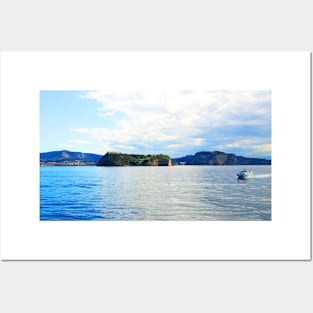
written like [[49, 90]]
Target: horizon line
[[256, 157]]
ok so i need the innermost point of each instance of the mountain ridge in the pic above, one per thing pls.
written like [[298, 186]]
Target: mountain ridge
[[219, 158], [65, 157], [69, 156]]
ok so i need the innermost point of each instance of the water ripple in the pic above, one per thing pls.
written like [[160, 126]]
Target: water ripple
[[145, 193]]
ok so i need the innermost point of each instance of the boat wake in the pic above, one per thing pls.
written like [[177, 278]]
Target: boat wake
[[263, 176]]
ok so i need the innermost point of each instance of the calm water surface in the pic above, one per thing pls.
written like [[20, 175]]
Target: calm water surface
[[182, 193]]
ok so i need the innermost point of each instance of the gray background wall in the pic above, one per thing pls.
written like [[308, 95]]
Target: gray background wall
[[158, 26]]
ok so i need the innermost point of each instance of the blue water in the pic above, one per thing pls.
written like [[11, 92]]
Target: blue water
[[177, 193]]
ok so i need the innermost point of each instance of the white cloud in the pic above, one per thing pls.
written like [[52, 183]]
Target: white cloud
[[74, 144], [185, 118], [250, 146], [197, 141], [125, 147], [263, 148], [79, 142], [240, 143], [174, 146]]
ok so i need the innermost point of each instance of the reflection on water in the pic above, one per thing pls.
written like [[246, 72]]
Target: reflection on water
[[189, 193]]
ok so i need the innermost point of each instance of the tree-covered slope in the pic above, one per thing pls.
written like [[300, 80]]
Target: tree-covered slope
[[123, 159]]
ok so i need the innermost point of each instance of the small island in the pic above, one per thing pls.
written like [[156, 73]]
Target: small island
[[123, 159]]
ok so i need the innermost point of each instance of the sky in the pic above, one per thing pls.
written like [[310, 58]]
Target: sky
[[176, 123]]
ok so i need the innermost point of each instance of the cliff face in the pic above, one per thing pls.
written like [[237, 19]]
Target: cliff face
[[219, 158], [123, 159]]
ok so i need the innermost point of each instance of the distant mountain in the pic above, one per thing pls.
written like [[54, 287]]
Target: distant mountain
[[219, 158], [123, 159], [69, 156]]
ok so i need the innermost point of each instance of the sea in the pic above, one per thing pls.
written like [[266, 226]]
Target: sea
[[174, 193]]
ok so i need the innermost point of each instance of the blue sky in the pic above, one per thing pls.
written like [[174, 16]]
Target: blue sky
[[175, 123]]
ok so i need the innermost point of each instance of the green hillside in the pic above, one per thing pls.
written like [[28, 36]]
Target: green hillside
[[123, 159]]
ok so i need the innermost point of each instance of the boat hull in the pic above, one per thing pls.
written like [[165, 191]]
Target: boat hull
[[245, 174]]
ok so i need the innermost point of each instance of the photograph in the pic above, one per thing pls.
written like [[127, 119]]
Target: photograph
[[148, 155], [155, 155]]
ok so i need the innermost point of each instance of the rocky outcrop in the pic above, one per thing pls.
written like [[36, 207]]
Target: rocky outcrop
[[219, 158], [123, 159]]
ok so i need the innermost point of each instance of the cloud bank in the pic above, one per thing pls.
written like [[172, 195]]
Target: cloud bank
[[184, 122]]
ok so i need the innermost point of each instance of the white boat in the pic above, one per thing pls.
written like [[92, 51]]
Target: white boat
[[244, 174]]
